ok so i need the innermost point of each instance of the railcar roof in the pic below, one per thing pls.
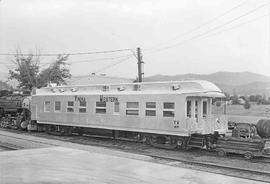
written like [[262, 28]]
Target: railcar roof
[[189, 88]]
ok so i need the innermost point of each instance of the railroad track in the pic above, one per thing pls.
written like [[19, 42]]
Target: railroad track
[[5, 147], [159, 155], [109, 142], [251, 174]]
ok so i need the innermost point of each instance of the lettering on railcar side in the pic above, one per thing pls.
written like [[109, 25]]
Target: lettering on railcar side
[[176, 124], [108, 98], [80, 98]]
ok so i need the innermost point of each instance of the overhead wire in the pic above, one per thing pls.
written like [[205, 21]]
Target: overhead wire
[[236, 26], [203, 24], [93, 60], [70, 54], [112, 65], [210, 30]]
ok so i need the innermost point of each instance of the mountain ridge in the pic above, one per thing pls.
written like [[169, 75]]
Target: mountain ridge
[[244, 83]]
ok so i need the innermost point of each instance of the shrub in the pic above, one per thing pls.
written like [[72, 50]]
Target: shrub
[[247, 105]]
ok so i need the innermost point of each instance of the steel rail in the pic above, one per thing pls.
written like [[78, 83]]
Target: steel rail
[[250, 174]]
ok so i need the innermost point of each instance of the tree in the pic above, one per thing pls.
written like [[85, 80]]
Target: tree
[[247, 105], [227, 96], [27, 71], [57, 72], [252, 98], [234, 99]]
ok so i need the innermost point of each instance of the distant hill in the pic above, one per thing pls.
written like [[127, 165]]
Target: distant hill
[[244, 83], [96, 79]]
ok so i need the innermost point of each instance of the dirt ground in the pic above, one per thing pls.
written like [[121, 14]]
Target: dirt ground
[[254, 110]]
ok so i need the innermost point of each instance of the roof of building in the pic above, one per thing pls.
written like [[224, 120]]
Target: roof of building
[[96, 79]]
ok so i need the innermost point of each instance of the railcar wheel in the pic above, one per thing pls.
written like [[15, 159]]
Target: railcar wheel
[[221, 153], [80, 131], [248, 155], [47, 129], [146, 139]]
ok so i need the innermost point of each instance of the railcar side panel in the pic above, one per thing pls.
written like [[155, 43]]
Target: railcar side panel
[[115, 120]]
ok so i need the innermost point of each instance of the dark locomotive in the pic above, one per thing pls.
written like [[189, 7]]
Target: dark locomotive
[[15, 109]]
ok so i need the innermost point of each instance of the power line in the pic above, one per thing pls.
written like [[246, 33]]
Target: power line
[[93, 60], [203, 25], [84, 61], [100, 59], [210, 30], [71, 54], [112, 65], [236, 26]]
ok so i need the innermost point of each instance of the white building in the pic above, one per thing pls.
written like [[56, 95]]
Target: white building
[[96, 79]]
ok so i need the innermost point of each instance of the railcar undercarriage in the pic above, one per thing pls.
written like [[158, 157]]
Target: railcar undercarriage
[[155, 140]]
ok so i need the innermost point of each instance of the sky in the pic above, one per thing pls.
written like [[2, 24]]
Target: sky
[[175, 36]]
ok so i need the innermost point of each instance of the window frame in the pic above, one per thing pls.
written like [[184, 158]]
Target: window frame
[[204, 115], [102, 109], [196, 109], [188, 110], [132, 109], [114, 107], [150, 109], [59, 106], [82, 107], [71, 107], [45, 109], [168, 110]]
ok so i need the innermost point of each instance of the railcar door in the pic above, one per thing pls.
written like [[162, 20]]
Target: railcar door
[[197, 113]]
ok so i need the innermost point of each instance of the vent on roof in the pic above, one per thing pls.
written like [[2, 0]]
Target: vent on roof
[[121, 88], [137, 87], [105, 88], [61, 90], [51, 84], [53, 90], [73, 89], [176, 87]]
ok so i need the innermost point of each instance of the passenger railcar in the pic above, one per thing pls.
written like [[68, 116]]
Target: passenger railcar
[[161, 112]]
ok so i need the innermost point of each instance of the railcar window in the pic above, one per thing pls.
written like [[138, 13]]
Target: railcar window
[[151, 105], [101, 107], [132, 112], [168, 105], [82, 103], [116, 107], [168, 109], [70, 106], [150, 113], [57, 106], [105, 88], [196, 110], [204, 109], [82, 108], [150, 109], [132, 104], [132, 108], [189, 108], [47, 106]]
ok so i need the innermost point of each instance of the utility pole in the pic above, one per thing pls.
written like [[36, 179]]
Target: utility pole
[[140, 63]]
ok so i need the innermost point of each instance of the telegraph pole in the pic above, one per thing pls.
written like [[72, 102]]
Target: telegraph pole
[[140, 63]]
